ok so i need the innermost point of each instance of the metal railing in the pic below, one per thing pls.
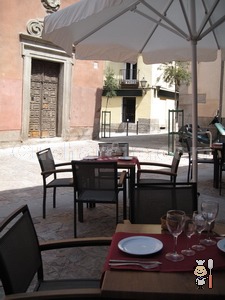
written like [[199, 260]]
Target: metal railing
[[129, 77]]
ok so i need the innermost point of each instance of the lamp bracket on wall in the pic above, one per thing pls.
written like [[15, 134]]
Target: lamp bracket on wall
[[146, 87]]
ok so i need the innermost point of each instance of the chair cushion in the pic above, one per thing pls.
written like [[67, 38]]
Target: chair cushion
[[151, 181], [205, 160], [98, 196], [61, 182]]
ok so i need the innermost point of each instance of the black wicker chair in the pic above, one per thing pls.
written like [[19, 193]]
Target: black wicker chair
[[50, 172], [21, 260], [221, 167], [122, 147], [208, 159], [152, 201], [148, 171], [97, 182]]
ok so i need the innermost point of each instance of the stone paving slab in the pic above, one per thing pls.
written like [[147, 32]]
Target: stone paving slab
[[21, 183]]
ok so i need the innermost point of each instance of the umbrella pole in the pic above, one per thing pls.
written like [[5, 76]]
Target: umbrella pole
[[194, 111], [194, 93]]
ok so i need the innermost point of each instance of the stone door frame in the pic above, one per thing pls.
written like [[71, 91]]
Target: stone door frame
[[33, 47]]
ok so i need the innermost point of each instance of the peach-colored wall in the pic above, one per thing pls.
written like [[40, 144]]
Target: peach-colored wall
[[11, 20], [84, 91], [14, 16], [210, 85]]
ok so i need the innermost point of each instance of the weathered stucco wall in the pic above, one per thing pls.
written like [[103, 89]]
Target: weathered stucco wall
[[86, 95], [209, 82], [86, 75]]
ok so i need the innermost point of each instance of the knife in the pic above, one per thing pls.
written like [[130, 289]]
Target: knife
[[135, 261]]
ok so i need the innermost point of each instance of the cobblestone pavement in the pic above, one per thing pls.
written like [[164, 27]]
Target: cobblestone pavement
[[21, 183]]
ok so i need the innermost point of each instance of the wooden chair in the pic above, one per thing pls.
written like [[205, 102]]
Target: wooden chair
[[50, 174], [97, 182], [21, 260], [147, 170], [200, 160], [152, 201]]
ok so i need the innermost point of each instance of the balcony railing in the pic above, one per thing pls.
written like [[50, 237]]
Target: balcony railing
[[128, 78]]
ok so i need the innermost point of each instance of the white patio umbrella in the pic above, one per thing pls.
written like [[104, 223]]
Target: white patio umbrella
[[159, 30]]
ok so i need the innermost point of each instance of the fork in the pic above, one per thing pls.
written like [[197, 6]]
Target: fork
[[135, 261], [144, 266]]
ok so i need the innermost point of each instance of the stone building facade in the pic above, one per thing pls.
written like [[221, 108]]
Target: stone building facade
[[46, 93], [43, 91]]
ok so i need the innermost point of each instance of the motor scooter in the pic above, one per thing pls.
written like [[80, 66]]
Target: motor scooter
[[203, 135]]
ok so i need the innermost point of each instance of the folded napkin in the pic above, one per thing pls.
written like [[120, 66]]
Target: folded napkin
[[188, 264]]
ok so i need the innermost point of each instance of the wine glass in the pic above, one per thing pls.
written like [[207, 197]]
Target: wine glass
[[189, 230], [209, 211], [200, 224], [175, 221]]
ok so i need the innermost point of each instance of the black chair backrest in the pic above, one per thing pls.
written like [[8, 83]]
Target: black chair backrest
[[124, 147], [188, 146], [95, 175], [20, 258], [152, 201], [46, 160], [176, 160], [223, 154], [188, 143]]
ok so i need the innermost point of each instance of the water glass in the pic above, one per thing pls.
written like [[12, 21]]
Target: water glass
[[209, 211], [200, 224], [189, 230], [175, 222]]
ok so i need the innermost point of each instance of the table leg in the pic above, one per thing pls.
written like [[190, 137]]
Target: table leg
[[131, 193], [216, 169], [125, 199]]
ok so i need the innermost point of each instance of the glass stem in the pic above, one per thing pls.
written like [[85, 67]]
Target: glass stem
[[208, 231], [175, 244], [199, 238], [188, 238]]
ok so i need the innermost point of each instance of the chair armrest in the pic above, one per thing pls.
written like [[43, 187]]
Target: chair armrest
[[89, 293], [122, 178], [154, 164], [63, 164], [76, 242], [56, 171]]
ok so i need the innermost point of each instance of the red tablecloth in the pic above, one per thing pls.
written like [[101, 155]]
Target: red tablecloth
[[120, 160], [188, 264]]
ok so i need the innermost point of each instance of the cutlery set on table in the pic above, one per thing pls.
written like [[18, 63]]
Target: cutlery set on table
[[145, 264], [137, 246]]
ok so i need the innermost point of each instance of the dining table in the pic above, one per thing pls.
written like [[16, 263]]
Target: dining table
[[129, 163], [168, 280]]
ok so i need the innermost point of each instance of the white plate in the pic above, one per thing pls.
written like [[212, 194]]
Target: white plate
[[91, 157], [125, 157], [140, 245], [221, 245]]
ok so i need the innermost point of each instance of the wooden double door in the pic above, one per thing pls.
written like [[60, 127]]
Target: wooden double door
[[44, 108]]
